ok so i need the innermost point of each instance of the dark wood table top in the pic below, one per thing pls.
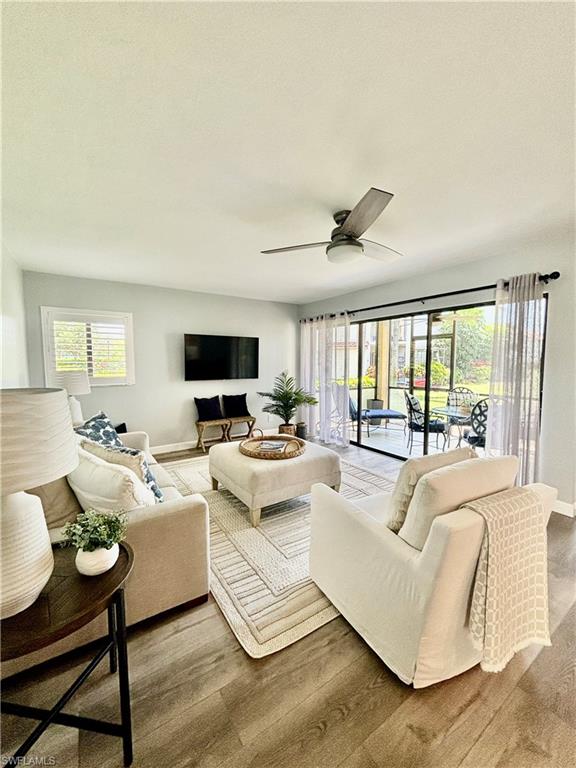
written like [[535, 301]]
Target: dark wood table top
[[68, 601]]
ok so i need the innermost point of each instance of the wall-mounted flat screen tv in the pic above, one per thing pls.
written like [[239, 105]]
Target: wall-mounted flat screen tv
[[220, 357]]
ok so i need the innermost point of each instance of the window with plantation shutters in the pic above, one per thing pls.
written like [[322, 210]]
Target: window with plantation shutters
[[99, 343]]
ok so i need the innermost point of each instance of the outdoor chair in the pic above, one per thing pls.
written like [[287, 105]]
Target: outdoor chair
[[478, 420], [459, 397], [416, 422]]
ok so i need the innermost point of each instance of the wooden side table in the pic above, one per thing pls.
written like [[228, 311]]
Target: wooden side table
[[68, 602]]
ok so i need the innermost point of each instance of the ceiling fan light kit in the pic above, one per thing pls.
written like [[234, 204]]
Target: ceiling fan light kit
[[343, 251], [344, 244]]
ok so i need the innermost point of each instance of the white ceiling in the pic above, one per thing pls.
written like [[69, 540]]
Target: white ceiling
[[168, 144]]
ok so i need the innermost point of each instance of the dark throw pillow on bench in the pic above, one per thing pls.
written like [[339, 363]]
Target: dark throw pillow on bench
[[235, 405], [208, 408]]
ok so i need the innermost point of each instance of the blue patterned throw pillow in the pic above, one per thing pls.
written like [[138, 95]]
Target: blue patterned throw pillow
[[100, 429]]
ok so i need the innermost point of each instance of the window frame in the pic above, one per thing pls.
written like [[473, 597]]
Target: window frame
[[51, 314]]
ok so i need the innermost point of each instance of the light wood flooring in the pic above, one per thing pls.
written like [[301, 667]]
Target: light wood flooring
[[325, 702]]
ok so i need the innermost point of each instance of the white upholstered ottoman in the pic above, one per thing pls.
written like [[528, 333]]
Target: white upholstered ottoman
[[261, 482]]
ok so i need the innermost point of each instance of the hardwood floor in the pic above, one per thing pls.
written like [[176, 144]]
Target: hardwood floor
[[324, 702]]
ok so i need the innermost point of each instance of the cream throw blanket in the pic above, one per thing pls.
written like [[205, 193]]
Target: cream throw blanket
[[510, 599]]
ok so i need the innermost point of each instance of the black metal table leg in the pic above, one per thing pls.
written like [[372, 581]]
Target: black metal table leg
[[48, 716], [112, 636], [116, 648], [123, 678]]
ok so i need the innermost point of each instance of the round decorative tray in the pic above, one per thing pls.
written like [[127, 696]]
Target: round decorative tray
[[292, 447]]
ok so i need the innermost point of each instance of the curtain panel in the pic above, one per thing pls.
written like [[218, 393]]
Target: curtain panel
[[514, 406], [324, 362]]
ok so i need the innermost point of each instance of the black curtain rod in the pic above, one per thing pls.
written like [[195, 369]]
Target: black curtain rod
[[331, 314], [543, 279]]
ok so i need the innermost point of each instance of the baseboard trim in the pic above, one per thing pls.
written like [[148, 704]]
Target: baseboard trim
[[173, 447], [188, 444], [564, 508]]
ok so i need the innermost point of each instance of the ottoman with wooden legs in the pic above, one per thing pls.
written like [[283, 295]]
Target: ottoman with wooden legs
[[260, 482]]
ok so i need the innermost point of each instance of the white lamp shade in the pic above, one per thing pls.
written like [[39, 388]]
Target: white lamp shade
[[37, 443], [343, 251], [74, 382]]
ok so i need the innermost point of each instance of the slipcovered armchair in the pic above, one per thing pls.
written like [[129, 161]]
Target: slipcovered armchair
[[410, 606]]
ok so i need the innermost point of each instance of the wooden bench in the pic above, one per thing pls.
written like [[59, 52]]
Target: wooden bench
[[248, 420], [225, 426]]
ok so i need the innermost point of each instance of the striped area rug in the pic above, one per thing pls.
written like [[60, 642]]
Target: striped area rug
[[260, 576]]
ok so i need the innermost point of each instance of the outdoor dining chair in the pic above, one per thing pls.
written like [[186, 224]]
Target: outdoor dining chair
[[416, 422]]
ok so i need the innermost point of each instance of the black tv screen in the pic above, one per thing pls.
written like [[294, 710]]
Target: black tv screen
[[220, 357]]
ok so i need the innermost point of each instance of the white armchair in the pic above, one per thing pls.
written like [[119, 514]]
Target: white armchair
[[411, 607]]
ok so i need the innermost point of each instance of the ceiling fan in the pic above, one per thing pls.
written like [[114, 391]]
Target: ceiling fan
[[345, 244]]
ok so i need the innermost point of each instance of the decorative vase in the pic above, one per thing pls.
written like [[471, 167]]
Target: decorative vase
[[287, 429], [301, 430], [27, 559], [96, 562]]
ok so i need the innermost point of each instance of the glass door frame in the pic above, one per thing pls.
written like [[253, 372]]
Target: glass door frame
[[428, 365]]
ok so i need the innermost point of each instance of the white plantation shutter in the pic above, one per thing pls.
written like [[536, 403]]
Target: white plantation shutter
[[100, 343]]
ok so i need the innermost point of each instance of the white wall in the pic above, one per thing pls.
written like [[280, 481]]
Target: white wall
[[161, 402], [14, 358], [558, 461]]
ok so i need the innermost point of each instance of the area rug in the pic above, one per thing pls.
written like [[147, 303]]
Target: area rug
[[260, 577]]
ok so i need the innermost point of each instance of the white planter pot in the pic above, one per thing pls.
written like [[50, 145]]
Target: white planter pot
[[98, 561]]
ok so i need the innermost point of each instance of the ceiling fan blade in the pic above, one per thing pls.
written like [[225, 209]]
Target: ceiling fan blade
[[366, 212], [380, 252], [296, 247]]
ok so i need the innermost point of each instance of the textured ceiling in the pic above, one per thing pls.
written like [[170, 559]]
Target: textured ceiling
[[168, 143]]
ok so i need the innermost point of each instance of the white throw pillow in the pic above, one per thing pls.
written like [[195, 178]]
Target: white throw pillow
[[107, 487], [134, 461], [445, 490], [410, 473]]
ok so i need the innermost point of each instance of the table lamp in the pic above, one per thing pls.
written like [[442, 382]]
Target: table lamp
[[37, 446], [75, 383]]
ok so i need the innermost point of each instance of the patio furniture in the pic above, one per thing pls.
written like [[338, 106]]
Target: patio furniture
[[462, 399], [478, 420], [416, 422], [381, 413], [368, 414], [455, 415]]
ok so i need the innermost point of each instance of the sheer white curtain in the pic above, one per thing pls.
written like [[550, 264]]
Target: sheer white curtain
[[324, 361], [514, 410]]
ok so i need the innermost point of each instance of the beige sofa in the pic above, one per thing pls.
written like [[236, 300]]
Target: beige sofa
[[171, 563]]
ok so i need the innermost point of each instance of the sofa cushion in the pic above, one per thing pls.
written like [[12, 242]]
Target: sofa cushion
[[99, 429], [171, 494], [410, 473], [58, 502], [446, 489], [127, 457], [234, 406], [163, 477], [107, 487], [377, 506], [208, 408]]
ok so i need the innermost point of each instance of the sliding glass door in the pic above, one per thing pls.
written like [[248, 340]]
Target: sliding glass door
[[415, 379]]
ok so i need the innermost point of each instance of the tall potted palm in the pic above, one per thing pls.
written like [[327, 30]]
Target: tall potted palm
[[285, 398]]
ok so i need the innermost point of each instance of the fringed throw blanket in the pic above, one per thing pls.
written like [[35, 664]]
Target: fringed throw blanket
[[510, 598]]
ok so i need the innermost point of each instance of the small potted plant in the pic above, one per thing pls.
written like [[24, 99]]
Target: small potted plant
[[285, 398], [96, 535]]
